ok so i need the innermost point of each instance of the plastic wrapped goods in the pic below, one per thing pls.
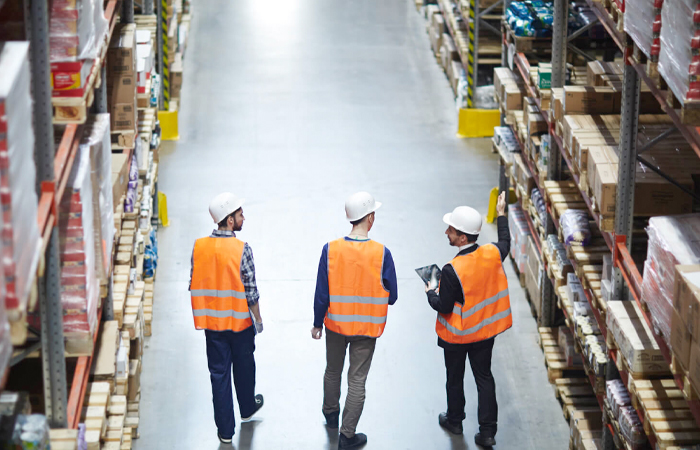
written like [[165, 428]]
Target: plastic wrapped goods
[[672, 240], [519, 233], [632, 428], [31, 433], [96, 142], [617, 395], [540, 205], [21, 240], [76, 29], [535, 18], [677, 64], [79, 286], [576, 228], [643, 24]]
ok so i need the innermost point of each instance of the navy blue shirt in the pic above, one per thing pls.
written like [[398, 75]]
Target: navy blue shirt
[[322, 297]]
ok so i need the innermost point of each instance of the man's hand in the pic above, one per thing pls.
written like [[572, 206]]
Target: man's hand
[[316, 333], [258, 326], [427, 289], [501, 206]]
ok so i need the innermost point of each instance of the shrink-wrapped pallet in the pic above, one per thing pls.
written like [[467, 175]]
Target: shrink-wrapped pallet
[[76, 29], [643, 24], [519, 233], [672, 240], [20, 231], [679, 63], [96, 142], [79, 284]]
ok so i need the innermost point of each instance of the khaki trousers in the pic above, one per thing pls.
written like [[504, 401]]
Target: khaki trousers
[[361, 352]]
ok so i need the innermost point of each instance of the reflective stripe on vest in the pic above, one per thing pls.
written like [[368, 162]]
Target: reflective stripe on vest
[[218, 295], [485, 311], [358, 300]]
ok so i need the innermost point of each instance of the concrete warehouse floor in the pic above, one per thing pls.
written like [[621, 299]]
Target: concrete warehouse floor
[[294, 105]]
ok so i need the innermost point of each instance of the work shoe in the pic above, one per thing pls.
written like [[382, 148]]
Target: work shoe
[[454, 428], [223, 440], [358, 440], [258, 404], [484, 441], [332, 419]]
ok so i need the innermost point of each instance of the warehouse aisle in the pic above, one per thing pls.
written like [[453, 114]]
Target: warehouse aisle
[[294, 105]]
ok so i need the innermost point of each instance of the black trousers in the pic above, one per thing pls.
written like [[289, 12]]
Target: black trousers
[[480, 359], [227, 351]]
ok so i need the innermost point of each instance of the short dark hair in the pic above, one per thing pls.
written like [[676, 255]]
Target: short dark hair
[[359, 221], [470, 237], [223, 222]]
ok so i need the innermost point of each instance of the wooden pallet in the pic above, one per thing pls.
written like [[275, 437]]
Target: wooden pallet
[[123, 140]]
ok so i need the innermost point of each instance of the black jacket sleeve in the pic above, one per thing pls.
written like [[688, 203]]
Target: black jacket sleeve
[[450, 292], [503, 243]]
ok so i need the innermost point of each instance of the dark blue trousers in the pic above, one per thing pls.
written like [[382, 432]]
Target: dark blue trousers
[[226, 349]]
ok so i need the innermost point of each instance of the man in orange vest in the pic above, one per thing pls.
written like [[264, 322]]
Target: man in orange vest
[[225, 305], [356, 283], [473, 307]]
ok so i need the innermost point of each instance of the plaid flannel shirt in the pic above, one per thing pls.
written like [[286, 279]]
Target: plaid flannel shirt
[[247, 268]]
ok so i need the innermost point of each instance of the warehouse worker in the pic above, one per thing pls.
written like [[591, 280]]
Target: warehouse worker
[[356, 284], [225, 305], [473, 305]]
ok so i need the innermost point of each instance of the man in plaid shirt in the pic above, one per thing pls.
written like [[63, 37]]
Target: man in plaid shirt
[[217, 304]]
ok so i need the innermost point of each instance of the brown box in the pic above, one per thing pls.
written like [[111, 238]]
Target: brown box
[[605, 188], [681, 340], [655, 196], [121, 89], [124, 116], [694, 369], [590, 100], [513, 96], [121, 55], [120, 175], [176, 76], [686, 297]]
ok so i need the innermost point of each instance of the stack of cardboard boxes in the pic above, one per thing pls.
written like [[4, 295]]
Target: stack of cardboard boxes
[[122, 82]]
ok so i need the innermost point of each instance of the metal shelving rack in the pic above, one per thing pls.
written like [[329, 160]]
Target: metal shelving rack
[[62, 407], [627, 280]]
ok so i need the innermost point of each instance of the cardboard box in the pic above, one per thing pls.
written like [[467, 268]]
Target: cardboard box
[[120, 175], [121, 55], [124, 116], [121, 89], [605, 188], [686, 297], [590, 100], [513, 96], [176, 77], [694, 369], [544, 75], [655, 196], [681, 340]]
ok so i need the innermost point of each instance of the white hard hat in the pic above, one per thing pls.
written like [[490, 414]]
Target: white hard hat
[[224, 204], [360, 204], [465, 219]]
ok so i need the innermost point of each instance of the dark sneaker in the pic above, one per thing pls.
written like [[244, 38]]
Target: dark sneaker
[[258, 404], [358, 440], [223, 440], [332, 419], [484, 441], [454, 428]]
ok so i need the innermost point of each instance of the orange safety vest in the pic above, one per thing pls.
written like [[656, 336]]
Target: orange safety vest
[[485, 312], [358, 299], [218, 295]]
